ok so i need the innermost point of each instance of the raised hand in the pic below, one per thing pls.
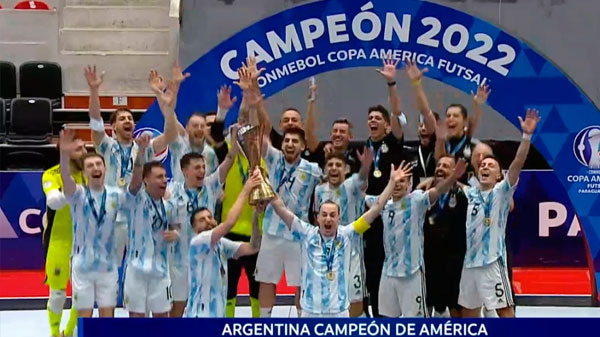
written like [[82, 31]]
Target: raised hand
[[156, 81], [413, 72], [67, 142], [528, 125], [441, 130], [252, 96], [366, 157], [94, 81], [312, 92], [403, 171], [143, 141], [245, 81], [168, 97], [178, 75], [224, 98], [252, 67], [254, 180], [483, 91], [389, 70], [460, 169]]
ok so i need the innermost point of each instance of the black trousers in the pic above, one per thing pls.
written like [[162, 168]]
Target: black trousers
[[374, 256], [234, 270]]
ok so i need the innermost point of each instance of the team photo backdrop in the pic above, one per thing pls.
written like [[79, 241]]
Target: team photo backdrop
[[460, 50]]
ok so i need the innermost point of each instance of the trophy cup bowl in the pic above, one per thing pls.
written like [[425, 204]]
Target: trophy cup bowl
[[249, 138]]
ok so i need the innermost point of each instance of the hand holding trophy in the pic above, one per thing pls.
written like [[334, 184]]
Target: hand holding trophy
[[250, 139]]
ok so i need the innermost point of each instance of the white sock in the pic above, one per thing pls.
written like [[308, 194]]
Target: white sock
[[265, 312], [363, 314]]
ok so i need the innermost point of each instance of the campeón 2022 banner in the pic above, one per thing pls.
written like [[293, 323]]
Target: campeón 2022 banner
[[460, 50]]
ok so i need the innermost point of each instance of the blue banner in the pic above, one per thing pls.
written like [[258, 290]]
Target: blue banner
[[460, 50], [97, 327]]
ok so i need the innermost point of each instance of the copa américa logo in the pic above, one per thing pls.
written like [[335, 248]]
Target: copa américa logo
[[162, 156], [586, 147]]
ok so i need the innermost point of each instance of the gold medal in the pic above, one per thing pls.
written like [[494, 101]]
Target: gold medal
[[331, 276], [431, 220], [122, 182], [377, 173], [487, 221]]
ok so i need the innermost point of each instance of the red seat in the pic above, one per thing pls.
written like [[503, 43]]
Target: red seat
[[36, 5]]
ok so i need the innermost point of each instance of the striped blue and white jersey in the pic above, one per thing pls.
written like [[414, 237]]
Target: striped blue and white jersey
[[208, 275], [319, 256], [349, 197], [403, 233], [94, 214], [294, 184], [181, 146], [485, 241], [147, 251], [117, 156], [185, 201]]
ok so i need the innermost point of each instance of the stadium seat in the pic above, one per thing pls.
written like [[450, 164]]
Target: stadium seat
[[30, 121], [25, 160], [35, 5], [41, 79], [8, 80]]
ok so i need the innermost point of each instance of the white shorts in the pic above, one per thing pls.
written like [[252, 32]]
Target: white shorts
[[145, 293], [403, 296], [90, 288], [275, 256], [486, 286], [180, 284], [306, 314], [357, 279]]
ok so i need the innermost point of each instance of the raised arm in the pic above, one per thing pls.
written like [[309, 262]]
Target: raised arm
[[366, 159], [312, 126], [283, 212], [94, 81], [166, 101], [389, 73], [67, 145], [234, 213], [143, 141], [396, 174], [447, 183], [441, 132], [479, 99], [252, 247], [416, 75], [528, 126]]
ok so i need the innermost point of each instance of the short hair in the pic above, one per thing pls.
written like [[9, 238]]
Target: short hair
[[382, 109], [149, 166], [91, 155], [292, 109], [451, 156], [462, 108], [196, 211], [296, 131], [115, 114], [194, 114], [336, 155], [210, 113], [188, 157], [343, 121], [329, 201]]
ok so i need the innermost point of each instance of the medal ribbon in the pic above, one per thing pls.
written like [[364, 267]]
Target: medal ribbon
[[453, 151], [160, 214], [99, 216], [487, 204], [424, 162], [285, 177], [125, 156], [377, 154], [329, 252], [193, 199]]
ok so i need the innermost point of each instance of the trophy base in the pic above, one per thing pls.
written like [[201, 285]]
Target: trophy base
[[262, 193]]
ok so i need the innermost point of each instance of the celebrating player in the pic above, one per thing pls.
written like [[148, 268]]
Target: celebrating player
[[58, 240], [326, 252], [294, 179], [147, 281], [402, 288], [348, 195], [198, 191], [484, 280], [209, 251], [94, 211]]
